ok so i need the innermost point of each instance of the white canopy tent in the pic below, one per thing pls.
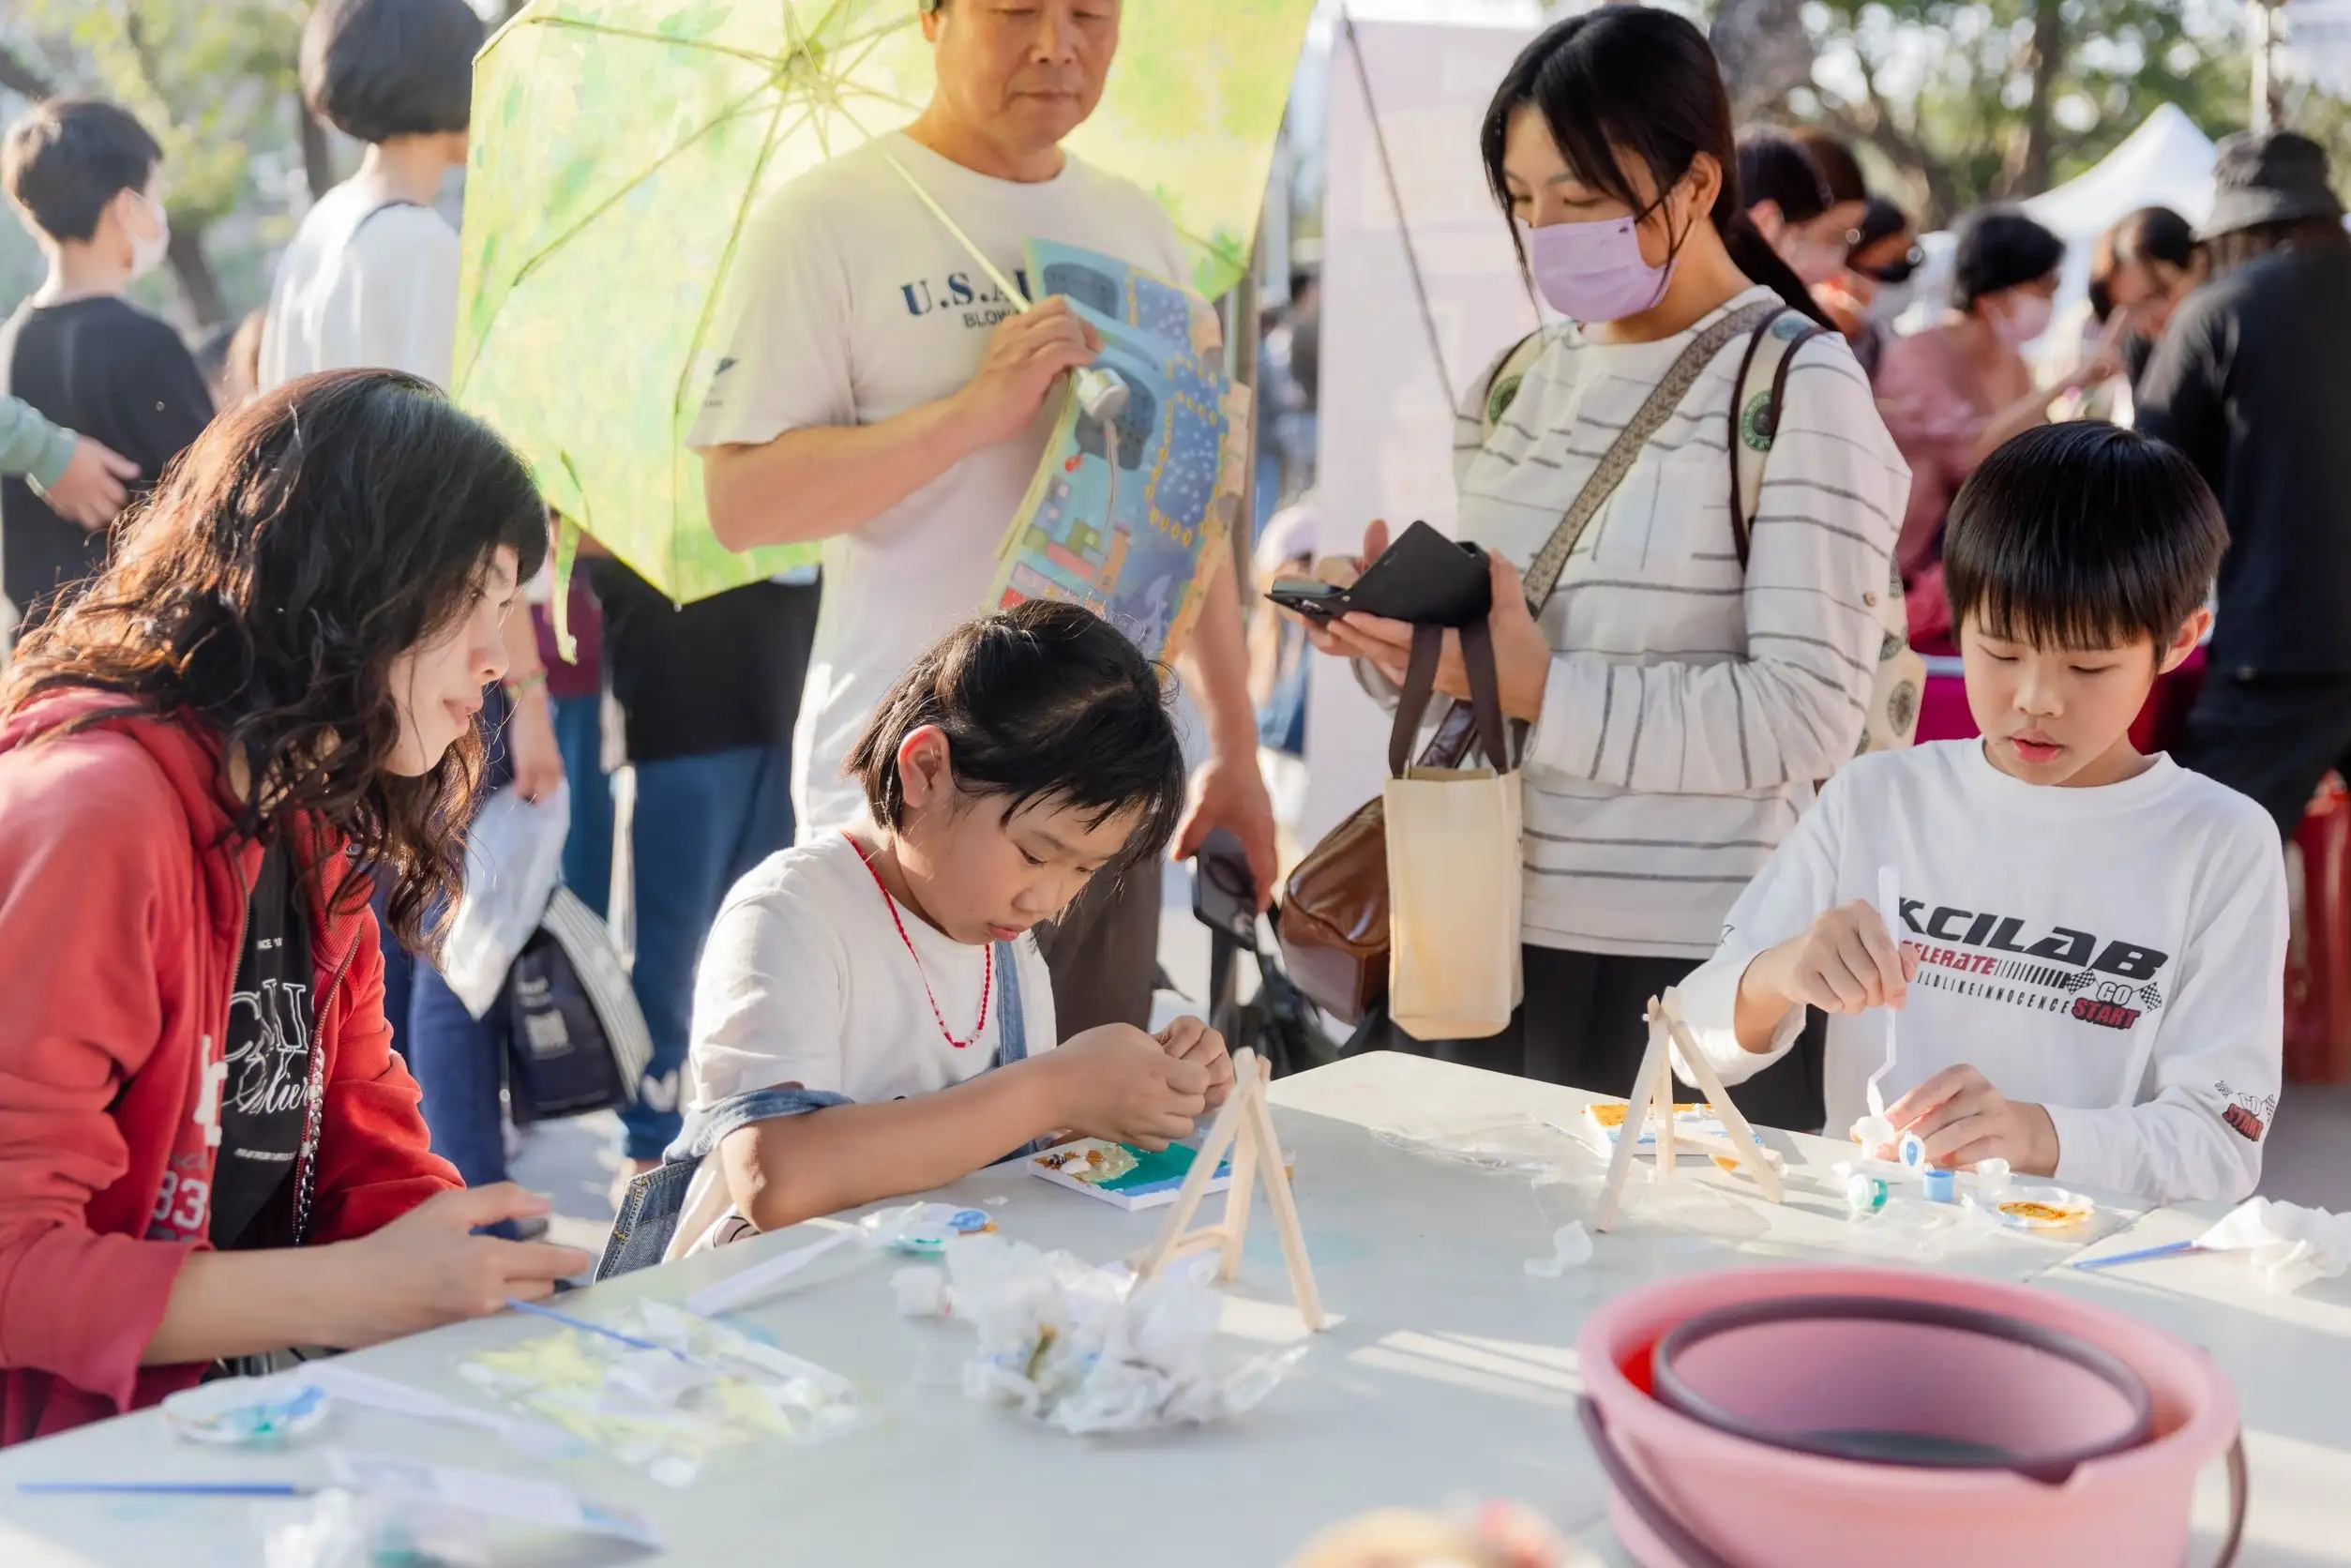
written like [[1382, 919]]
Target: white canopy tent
[[2166, 163]]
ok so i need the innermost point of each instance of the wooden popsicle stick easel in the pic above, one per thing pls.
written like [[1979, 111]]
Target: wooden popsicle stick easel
[[1653, 1104], [1244, 1129]]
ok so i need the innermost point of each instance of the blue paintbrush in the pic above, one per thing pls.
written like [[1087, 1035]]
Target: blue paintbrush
[[169, 1488], [2169, 1249]]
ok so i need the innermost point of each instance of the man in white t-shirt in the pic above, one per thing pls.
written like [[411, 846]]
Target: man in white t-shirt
[[875, 392]]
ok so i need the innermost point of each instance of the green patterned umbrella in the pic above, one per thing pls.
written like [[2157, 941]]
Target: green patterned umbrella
[[620, 146]]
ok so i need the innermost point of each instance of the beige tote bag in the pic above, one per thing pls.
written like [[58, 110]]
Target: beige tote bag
[[1453, 862]]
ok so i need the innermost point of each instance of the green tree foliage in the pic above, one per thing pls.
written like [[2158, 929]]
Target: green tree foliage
[[1970, 102], [214, 79]]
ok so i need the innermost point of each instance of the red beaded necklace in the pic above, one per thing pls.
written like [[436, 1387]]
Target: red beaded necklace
[[988, 970]]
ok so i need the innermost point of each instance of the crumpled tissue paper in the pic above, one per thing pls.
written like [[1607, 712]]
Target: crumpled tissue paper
[[2289, 1244]]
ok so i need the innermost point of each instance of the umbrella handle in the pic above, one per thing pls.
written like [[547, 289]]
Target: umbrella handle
[[1011, 289]]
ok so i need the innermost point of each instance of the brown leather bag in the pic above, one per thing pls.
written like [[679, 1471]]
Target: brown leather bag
[[1333, 922]]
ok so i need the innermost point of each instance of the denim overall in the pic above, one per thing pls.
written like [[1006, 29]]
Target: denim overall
[[657, 1200]]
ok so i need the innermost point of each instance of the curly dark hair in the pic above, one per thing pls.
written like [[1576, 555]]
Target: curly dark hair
[[266, 588]]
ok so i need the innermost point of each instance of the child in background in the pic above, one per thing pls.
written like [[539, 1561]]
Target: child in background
[[856, 990], [371, 277], [2093, 942], [83, 177]]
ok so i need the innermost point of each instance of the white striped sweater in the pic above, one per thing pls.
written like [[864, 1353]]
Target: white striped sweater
[[1691, 708]]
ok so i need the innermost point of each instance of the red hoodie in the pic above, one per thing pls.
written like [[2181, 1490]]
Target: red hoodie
[[121, 918]]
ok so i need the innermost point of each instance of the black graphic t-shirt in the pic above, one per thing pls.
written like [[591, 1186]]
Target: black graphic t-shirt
[[263, 1105]]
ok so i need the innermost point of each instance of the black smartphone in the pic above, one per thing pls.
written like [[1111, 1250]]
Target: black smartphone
[[1308, 596], [1224, 893], [1422, 577]]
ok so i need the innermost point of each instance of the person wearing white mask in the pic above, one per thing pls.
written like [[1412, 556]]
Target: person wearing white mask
[[83, 177], [1685, 687], [1877, 284], [1955, 392]]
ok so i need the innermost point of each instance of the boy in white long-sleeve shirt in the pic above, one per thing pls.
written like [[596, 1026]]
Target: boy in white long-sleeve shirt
[[2093, 947]]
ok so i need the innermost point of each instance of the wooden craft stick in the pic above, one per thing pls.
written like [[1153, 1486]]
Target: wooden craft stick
[[1745, 1149], [1220, 1136], [1637, 1112], [1285, 1206], [1240, 1197], [1661, 1107]]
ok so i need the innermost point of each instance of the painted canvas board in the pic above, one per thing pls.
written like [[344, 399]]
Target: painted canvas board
[[1122, 1174], [1132, 517]]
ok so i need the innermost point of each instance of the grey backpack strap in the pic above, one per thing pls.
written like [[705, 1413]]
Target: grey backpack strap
[[1543, 573]]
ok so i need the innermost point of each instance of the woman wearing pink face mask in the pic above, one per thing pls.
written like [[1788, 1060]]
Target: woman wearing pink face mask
[[1956, 391], [1683, 687]]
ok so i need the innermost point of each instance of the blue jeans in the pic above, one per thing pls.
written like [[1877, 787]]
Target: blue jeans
[[459, 1061], [400, 971], [700, 823], [588, 850]]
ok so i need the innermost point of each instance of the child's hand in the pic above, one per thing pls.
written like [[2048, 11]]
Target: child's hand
[[1846, 962], [1191, 1040], [1120, 1084], [1962, 1119]]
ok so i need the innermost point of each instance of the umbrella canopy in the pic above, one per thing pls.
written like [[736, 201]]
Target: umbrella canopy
[[620, 147]]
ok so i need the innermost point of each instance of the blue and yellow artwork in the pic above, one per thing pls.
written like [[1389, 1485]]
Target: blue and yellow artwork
[[1131, 516]]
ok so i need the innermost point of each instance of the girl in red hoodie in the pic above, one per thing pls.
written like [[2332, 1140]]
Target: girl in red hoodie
[[207, 1148]]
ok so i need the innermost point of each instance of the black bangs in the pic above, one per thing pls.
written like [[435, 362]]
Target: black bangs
[[2082, 536], [1044, 702]]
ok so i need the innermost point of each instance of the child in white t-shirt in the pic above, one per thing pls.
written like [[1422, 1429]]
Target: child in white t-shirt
[[370, 280], [856, 991], [2092, 946]]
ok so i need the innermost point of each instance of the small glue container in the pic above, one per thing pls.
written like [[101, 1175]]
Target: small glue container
[[1939, 1186], [1911, 1151], [1864, 1194]]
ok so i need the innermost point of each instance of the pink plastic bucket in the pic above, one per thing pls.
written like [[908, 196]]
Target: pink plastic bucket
[[2059, 1434]]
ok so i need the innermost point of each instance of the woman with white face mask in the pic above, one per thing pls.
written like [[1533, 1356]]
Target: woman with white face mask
[[1681, 700], [1877, 284], [1954, 392]]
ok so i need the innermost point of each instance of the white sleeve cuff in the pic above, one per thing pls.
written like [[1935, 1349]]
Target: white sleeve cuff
[[1708, 1000]]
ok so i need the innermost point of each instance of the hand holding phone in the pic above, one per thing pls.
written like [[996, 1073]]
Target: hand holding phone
[[1423, 578], [1308, 596]]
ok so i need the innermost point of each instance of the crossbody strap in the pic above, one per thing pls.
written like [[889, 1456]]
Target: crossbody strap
[[1543, 573], [1460, 726]]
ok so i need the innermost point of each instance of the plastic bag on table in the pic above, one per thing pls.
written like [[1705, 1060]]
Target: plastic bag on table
[[1088, 1350], [708, 1393], [514, 857], [336, 1528]]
